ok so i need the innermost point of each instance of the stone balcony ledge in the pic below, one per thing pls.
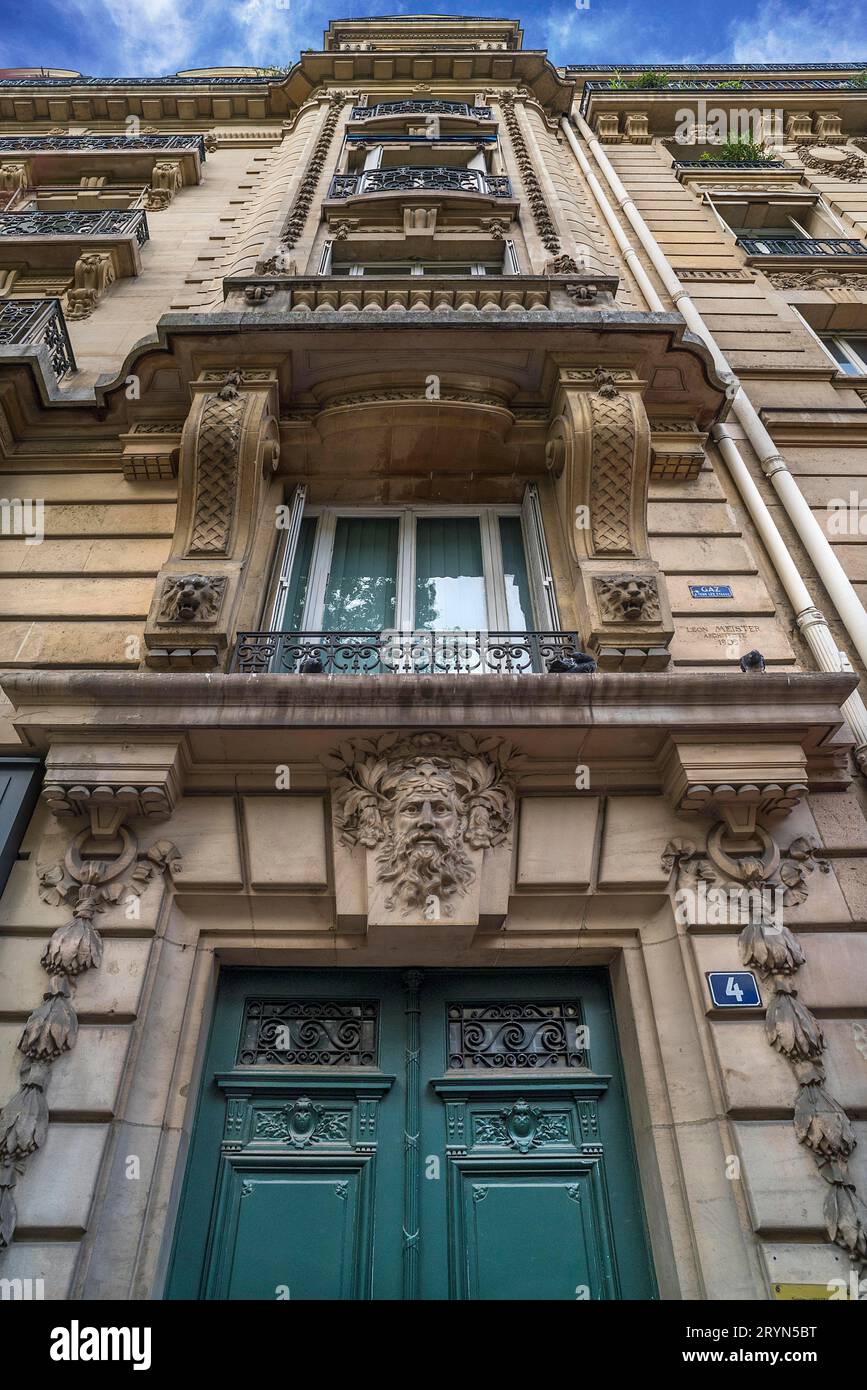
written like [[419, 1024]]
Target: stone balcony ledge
[[434, 295], [623, 725], [65, 158], [41, 242]]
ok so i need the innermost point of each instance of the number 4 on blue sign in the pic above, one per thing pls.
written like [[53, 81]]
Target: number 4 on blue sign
[[735, 989]]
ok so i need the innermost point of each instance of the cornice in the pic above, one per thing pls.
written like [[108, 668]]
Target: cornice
[[723, 730]]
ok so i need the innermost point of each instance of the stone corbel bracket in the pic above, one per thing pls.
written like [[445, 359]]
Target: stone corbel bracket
[[598, 451], [110, 787], [677, 450], [228, 454], [151, 450], [735, 782]]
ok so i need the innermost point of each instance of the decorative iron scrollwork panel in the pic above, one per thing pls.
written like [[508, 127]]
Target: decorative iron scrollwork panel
[[522, 1035], [309, 1033]]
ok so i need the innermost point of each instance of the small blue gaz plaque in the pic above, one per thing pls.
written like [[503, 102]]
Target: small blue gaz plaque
[[711, 590]]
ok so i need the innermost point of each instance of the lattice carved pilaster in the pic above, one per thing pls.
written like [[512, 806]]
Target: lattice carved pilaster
[[229, 451]]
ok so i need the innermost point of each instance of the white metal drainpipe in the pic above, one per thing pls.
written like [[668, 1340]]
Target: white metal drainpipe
[[809, 619]]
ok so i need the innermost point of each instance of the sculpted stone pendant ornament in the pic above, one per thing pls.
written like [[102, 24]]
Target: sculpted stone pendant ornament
[[424, 803]]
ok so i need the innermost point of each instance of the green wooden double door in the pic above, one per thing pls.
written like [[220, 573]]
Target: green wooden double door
[[411, 1135]]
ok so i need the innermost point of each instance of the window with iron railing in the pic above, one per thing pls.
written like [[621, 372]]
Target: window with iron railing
[[410, 590]]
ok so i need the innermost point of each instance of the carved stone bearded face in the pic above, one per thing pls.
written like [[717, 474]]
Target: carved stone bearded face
[[424, 854]]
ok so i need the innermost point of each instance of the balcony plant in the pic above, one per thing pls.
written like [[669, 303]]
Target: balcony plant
[[741, 151], [650, 78]]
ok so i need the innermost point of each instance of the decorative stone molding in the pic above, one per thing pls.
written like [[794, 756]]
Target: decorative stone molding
[[737, 781], [192, 598], [88, 886], [167, 178], [229, 451], [607, 128], [799, 128], [628, 598], [770, 948], [817, 278], [113, 786], [677, 450], [150, 451], [94, 272], [696, 273], [636, 127], [427, 811], [536, 202], [828, 125], [296, 220], [825, 156], [14, 175], [598, 450], [515, 296]]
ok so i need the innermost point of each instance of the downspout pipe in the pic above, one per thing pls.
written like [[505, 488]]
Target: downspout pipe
[[808, 617]]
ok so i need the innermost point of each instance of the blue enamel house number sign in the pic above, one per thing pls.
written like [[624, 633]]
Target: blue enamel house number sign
[[735, 989]]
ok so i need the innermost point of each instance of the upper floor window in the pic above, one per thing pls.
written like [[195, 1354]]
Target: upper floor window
[[402, 268], [446, 569], [849, 352], [766, 220]]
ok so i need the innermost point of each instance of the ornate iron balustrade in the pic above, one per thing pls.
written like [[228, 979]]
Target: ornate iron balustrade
[[71, 224], [473, 137], [801, 246], [75, 144], [438, 179], [414, 108], [400, 653], [38, 321], [170, 81], [594, 86], [733, 164]]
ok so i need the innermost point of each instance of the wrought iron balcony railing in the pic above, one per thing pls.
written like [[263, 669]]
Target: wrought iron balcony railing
[[77, 144], [74, 224], [38, 321], [415, 108], [474, 137], [440, 179], [801, 246], [168, 81], [401, 653], [595, 86], [735, 164]]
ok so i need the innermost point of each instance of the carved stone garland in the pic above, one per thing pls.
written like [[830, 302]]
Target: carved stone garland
[[821, 1123], [88, 887], [535, 197], [295, 222]]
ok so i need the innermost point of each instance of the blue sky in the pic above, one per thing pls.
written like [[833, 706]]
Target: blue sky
[[144, 38]]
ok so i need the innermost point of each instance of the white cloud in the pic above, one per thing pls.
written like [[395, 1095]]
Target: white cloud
[[777, 32], [150, 38]]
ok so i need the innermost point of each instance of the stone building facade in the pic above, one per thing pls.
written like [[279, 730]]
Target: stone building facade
[[359, 939]]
